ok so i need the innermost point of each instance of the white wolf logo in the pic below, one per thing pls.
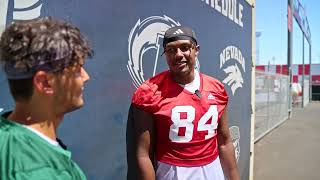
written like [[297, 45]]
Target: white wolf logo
[[146, 35], [229, 57], [22, 10], [234, 78], [3, 13]]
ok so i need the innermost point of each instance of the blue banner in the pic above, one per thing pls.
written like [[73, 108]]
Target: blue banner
[[301, 18]]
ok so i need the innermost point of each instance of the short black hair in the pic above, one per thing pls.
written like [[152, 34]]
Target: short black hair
[[21, 89]]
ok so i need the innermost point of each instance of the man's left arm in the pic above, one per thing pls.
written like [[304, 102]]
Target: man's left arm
[[226, 149]]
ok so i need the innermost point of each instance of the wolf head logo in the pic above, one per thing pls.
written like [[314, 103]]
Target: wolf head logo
[[22, 10], [229, 58], [234, 77], [146, 35]]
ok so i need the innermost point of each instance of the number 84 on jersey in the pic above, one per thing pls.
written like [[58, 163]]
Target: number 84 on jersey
[[187, 123]]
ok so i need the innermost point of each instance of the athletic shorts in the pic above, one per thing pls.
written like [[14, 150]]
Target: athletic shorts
[[212, 171]]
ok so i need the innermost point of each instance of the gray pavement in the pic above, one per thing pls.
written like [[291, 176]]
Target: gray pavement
[[292, 150]]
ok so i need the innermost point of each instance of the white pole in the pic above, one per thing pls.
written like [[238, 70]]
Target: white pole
[[253, 89]]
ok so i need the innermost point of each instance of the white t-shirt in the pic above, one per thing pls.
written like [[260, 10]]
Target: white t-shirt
[[55, 143], [194, 85]]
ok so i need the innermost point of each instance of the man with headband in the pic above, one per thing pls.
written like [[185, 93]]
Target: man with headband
[[180, 118], [43, 60]]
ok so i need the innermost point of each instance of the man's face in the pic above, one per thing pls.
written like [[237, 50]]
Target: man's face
[[69, 88], [181, 57]]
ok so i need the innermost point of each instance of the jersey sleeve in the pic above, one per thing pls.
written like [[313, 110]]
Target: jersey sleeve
[[145, 98], [220, 93]]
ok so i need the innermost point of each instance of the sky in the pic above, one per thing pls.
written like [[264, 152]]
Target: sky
[[271, 21]]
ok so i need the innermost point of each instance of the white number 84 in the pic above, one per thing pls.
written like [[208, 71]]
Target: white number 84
[[188, 123]]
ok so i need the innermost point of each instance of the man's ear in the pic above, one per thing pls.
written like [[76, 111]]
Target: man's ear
[[42, 82], [197, 48]]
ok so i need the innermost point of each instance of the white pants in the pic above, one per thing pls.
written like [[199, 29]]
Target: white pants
[[212, 171]]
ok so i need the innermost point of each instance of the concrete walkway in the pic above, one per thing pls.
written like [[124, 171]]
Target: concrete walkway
[[292, 150]]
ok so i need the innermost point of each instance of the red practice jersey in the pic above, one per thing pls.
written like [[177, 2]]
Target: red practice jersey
[[186, 123]]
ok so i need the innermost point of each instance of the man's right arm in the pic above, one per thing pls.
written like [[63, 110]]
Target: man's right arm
[[144, 136]]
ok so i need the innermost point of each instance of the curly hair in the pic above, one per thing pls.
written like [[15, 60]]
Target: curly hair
[[30, 44], [41, 44]]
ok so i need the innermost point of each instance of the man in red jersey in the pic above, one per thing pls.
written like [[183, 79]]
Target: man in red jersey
[[180, 118]]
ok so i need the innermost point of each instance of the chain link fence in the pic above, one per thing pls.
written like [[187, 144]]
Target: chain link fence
[[272, 102]]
